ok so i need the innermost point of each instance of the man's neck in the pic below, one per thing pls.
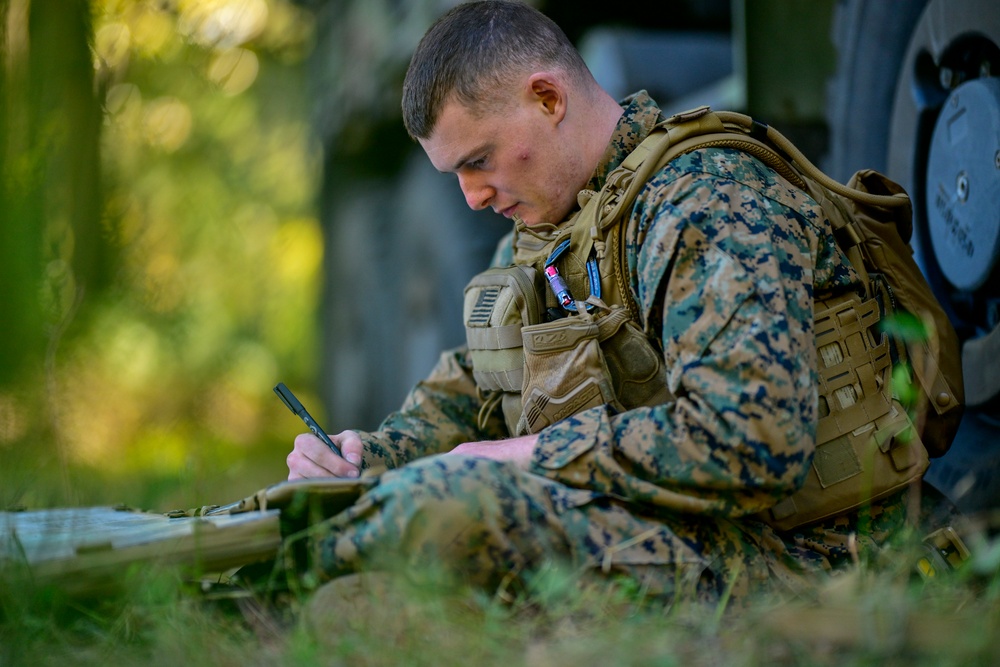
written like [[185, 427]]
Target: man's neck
[[607, 113]]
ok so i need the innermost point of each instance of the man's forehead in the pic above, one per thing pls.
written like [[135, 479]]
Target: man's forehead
[[456, 135]]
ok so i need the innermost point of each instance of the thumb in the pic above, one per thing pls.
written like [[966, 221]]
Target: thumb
[[352, 449]]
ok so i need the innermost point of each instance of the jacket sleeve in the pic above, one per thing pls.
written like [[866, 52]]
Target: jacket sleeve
[[440, 413], [725, 275]]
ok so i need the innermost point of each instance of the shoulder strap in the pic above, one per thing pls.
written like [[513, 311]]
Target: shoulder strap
[[703, 128], [743, 123]]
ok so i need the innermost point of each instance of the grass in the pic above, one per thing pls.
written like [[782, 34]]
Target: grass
[[875, 614], [867, 616]]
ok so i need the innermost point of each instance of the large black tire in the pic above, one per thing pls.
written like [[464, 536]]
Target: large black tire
[[871, 37], [893, 76]]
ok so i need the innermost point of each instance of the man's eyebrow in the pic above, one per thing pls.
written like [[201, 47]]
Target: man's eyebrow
[[470, 156]]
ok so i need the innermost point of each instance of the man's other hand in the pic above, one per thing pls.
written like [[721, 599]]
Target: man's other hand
[[515, 450]]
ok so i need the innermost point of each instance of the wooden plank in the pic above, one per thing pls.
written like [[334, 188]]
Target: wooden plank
[[85, 550]]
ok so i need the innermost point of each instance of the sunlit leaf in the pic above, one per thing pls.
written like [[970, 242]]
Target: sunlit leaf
[[905, 326]]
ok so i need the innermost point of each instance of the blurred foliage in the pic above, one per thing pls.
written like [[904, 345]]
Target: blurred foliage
[[363, 50], [906, 328], [160, 245], [365, 47]]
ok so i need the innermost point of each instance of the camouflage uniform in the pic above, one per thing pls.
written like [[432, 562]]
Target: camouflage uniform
[[725, 258]]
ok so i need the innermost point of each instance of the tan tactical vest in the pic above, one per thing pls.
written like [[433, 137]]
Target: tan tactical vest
[[540, 371]]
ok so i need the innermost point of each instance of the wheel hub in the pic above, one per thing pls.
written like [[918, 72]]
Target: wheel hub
[[963, 184]]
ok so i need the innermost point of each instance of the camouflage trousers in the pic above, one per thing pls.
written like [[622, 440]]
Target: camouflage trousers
[[489, 522]]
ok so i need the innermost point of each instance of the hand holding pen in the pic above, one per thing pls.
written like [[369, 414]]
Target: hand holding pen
[[318, 455]]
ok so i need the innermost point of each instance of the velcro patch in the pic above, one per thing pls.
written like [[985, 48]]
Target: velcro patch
[[483, 310], [836, 461]]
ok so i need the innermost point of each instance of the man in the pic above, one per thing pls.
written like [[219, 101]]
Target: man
[[722, 261]]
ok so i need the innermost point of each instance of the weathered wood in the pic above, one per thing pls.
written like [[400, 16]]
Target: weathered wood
[[86, 550]]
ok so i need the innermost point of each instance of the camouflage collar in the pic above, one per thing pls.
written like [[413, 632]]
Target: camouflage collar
[[641, 114]]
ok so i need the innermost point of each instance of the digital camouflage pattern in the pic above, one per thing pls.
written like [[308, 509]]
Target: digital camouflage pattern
[[725, 258]]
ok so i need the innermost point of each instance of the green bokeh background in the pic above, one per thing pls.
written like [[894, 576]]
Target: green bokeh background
[[159, 248]]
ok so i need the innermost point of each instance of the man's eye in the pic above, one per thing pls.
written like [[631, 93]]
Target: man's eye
[[477, 164]]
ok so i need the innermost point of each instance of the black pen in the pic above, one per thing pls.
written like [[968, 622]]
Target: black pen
[[288, 398]]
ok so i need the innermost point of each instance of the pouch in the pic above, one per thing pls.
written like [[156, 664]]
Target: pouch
[[498, 302], [564, 371]]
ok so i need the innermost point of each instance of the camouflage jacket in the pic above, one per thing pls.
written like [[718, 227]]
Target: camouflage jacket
[[724, 258]]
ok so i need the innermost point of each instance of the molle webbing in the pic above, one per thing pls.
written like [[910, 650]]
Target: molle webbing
[[852, 365], [681, 134]]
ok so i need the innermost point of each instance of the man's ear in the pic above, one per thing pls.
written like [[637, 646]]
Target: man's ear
[[548, 92]]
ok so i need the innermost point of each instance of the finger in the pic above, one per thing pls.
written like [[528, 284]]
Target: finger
[[301, 466], [311, 457], [351, 447]]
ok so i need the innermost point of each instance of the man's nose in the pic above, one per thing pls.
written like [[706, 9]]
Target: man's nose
[[477, 193]]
